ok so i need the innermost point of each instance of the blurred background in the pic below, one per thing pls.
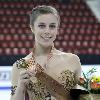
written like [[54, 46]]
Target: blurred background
[[79, 33]]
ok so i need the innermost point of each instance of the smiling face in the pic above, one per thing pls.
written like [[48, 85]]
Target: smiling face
[[45, 29]]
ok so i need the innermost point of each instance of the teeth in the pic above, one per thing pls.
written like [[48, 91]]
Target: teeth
[[45, 37]]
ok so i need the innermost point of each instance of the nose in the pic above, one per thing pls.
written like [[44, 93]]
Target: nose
[[47, 30]]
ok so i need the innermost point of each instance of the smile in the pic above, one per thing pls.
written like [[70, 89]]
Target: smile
[[46, 38]]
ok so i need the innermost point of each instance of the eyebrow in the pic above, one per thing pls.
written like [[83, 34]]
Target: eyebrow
[[44, 23], [41, 23], [53, 23]]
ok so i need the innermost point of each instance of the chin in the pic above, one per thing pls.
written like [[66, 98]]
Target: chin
[[46, 44]]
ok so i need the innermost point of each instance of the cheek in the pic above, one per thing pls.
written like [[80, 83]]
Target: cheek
[[38, 35], [55, 32], [37, 32]]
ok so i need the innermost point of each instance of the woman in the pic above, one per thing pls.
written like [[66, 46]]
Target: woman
[[46, 73]]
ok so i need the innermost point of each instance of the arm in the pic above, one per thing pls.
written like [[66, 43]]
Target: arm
[[19, 78], [17, 90], [83, 93]]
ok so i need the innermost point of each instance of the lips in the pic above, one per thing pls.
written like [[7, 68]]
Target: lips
[[46, 37]]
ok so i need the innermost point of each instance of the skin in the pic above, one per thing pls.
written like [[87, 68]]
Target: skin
[[45, 30]]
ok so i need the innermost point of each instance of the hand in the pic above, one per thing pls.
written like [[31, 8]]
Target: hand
[[24, 78]]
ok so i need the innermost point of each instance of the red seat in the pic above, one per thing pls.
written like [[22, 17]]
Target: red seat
[[23, 51], [97, 51], [64, 44], [15, 51], [12, 31], [8, 51], [79, 31], [19, 44], [27, 44], [85, 44], [5, 31], [12, 44], [2, 37], [19, 31], [8, 38], [16, 37], [66, 37], [57, 44], [1, 51], [90, 51]]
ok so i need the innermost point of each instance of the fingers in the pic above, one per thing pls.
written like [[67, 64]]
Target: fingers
[[25, 78], [32, 70], [26, 74]]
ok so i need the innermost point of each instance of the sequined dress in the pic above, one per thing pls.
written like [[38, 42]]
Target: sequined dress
[[38, 90]]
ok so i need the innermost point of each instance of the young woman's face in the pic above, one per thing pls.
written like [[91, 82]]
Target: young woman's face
[[45, 29]]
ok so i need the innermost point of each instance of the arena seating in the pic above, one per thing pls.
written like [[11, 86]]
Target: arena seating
[[79, 31]]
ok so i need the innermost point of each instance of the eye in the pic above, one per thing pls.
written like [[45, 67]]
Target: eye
[[41, 26], [52, 26]]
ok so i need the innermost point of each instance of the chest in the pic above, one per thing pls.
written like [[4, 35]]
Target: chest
[[55, 65], [60, 69]]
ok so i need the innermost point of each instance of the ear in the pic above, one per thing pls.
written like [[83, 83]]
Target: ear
[[32, 29]]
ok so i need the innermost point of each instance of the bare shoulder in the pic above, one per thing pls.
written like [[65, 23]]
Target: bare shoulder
[[66, 55], [68, 60]]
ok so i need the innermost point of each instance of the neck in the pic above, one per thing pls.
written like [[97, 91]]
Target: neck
[[41, 50]]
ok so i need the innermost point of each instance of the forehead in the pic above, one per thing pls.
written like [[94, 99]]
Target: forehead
[[46, 18]]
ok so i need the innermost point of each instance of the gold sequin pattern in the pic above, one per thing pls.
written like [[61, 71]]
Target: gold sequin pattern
[[67, 79]]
